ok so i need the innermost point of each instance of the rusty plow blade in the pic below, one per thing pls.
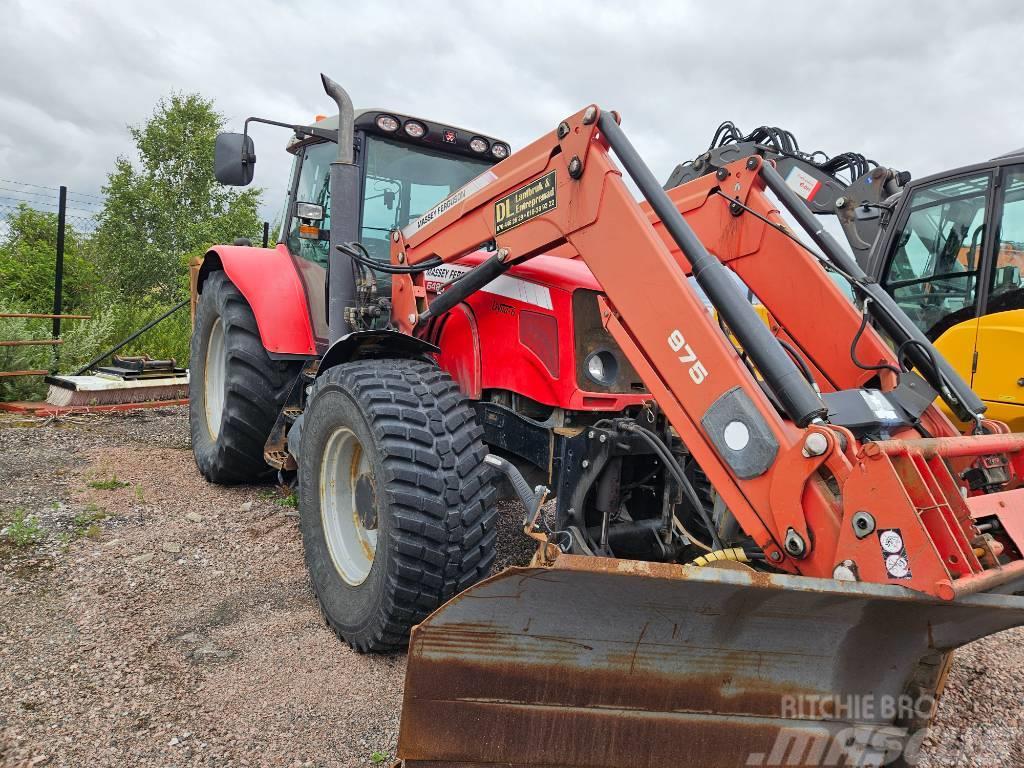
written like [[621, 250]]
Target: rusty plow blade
[[611, 663]]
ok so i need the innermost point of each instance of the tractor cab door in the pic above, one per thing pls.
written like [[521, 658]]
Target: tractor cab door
[[309, 214], [999, 374], [934, 262]]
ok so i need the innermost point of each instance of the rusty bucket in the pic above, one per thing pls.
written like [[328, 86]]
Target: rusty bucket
[[609, 663]]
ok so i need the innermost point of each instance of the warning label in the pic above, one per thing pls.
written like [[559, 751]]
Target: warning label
[[894, 553], [525, 203], [802, 183]]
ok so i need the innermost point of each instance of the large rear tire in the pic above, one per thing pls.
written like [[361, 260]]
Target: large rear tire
[[395, 501], [235, 389]]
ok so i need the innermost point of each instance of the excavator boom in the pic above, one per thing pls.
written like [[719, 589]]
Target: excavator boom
[[877, 526]]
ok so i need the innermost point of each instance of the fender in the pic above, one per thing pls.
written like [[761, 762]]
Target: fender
[[360, 345], [267, 279]]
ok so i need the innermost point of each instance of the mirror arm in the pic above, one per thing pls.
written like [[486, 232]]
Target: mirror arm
[[308, 130]]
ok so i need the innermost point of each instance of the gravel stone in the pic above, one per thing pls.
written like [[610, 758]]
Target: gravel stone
[[112, 656]]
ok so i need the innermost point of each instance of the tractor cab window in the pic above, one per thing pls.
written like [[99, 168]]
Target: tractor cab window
[[402, 183], [1006, 289], [314, 175], [933, 269]]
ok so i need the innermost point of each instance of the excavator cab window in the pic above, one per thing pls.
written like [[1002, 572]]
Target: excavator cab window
[[933, 269], [1006, 290]]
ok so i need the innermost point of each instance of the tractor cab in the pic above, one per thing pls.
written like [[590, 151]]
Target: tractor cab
[[407, 165]]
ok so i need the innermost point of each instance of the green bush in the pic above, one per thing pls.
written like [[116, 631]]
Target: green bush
[[160, 209], [119, 319], [84, 339], [23, 358]]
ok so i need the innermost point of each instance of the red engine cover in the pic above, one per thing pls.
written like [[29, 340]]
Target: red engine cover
[[517, 334]]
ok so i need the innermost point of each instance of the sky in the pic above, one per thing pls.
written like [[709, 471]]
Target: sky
[[921, 85]]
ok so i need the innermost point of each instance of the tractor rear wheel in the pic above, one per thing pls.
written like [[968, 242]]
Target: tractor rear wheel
[[395, 501], [235, 389]]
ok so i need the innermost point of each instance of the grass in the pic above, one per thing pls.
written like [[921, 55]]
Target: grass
[[108, 485], [21, 530], [291, 500], [87, 523], [378, 757]]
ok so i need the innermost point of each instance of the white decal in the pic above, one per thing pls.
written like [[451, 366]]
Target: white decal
[[437, 278], [894, 553], [891, 541], [879, 405], [678, 344], [897, 566], [453, 199], [802, 183]]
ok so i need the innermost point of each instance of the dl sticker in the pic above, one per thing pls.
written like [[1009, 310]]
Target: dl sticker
[[525, 203], [894, 553]]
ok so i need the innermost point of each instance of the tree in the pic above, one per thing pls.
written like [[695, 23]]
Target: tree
[[168, 204], [28, 254]]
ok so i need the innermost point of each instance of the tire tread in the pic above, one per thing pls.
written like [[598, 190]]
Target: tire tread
[[444, 536]]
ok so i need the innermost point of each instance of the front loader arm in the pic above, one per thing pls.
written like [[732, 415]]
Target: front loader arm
[[692, 365], [856, 203], [781, 468]]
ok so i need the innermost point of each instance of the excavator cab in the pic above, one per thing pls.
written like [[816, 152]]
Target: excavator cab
[[952, 258]]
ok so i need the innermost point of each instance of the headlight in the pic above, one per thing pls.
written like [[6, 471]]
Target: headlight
[[500, 151], [602, 367], [414, 129], [387, 123], [478, 145]]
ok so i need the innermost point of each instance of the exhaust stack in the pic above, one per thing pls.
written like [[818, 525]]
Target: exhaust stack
[[341, 281]]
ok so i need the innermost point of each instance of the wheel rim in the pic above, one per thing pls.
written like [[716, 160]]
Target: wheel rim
[[348, 506], [213, 378]]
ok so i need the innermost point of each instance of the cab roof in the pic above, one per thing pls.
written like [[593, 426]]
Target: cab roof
[[439, 136]]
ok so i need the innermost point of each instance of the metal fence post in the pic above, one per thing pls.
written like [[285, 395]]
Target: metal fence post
[[266, 233], [58, 277]]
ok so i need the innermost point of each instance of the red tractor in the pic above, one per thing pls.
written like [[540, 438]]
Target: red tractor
[[296, 366], [746, 513]]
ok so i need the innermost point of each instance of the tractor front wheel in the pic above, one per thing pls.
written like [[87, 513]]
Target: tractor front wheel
[[235, 389], [396, 508]]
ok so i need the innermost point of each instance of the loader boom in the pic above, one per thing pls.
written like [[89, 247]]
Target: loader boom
[[849, 186], [812, 493]]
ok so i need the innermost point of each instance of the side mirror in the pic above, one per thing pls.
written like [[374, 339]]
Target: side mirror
[[234, 159], [1007, 277]]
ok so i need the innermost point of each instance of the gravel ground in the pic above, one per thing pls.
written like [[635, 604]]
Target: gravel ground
[[162, 621]]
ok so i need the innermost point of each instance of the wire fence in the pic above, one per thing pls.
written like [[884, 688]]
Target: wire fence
[[78, 212], [82, 212]]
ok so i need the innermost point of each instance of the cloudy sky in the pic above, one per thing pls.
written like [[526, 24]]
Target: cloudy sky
[[918, 85]]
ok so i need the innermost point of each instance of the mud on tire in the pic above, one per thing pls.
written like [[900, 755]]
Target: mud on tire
[[228, 436], [420, 467]]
